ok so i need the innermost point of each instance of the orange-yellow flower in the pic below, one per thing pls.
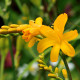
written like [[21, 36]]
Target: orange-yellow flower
[[34, 29], [56, 38]]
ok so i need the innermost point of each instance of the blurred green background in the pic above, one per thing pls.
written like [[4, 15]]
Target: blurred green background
[[20, 12]]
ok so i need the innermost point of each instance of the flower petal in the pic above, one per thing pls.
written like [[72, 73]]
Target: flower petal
[[35, 31], [49, 32], [67, 49], [44, 44], [38, 21], [27, 38], [32, 42], [31, 22], [54, 53], [60, 22], [70, 35]]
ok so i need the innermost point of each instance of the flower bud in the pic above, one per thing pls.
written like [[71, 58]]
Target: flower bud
[[3, 31], [40, 61], [41, 65], [52, 75], [5, 27], [64, 72], [41, 57], [22, 27], [12, 30], [56, 70], [50, 68], [14, 25], [46, 68]]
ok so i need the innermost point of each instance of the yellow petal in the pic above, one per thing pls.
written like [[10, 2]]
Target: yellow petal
[[32, 42], [31, 22], [49, 32], [38, 21], [67, 49], [27, 38], [35, 31], [55, 53], [60, 22], [70, 35], [25, 30], [44, 44]]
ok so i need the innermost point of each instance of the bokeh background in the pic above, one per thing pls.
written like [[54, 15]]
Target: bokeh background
[[20, 12]]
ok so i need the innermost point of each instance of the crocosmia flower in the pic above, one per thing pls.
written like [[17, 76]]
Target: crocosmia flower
[[34, 29], [57, 39]]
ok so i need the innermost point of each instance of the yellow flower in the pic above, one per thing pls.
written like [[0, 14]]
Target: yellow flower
[[56, 38], [34, 29]]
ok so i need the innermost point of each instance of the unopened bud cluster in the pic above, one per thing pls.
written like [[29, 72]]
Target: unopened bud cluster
[[13, 28], [42, 66]]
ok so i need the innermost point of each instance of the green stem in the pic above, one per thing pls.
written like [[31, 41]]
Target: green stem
[[2, 66], [59, 78], [58, 62], [12, 57], [66, 65]]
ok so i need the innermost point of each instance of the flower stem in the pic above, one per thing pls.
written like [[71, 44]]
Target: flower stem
[[66, 65], [2, 66], [12, 57]]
